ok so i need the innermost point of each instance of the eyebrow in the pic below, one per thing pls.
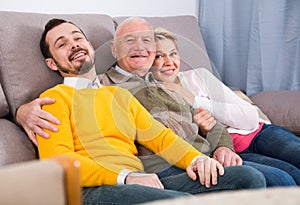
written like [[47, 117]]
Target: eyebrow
[[61, 37]]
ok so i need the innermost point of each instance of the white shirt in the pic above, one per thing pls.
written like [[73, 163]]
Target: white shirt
[[81, 83], [215, 97]]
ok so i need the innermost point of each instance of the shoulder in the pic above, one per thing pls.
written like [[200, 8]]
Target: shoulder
[[57, 90], [194, 73], [117, 90]]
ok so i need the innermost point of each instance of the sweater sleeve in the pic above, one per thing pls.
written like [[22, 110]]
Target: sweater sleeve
[[62, 143], [219, 137], [161, 140], [212, 95]]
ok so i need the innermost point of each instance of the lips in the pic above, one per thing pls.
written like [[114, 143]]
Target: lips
[[138, 56], [168, 71], [77, 54]]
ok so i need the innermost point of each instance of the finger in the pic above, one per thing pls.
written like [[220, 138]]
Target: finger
[[220, 158], [232, 161], [221, 169], [48, 117], [39, 131], [207, 174], [199, 109], [32, 137], [207, 116], [228, 161], [45, 124], [214, 175], [239, 161], [191, 173], [201, 170], [46, 101], [213, 123]]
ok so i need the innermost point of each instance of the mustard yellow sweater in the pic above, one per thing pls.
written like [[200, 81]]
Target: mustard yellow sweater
[[99, 127]]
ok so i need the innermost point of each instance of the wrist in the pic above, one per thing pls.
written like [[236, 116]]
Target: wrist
[[200, 157], [122, 176], [17, 118]]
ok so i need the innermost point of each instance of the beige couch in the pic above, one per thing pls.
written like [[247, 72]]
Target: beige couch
[[53, 181], [24, 75]]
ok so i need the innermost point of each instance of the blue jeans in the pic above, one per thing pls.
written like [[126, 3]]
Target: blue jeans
[[274, 176], [239, 177], [276, 147]]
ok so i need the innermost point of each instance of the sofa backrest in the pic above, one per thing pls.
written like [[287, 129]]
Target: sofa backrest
[[3, 104], [23, 72]]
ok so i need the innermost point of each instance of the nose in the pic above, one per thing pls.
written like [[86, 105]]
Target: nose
[[73, 44], [168, 60], [139, 45]]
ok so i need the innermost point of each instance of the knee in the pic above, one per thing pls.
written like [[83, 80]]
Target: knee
[[247, 177]]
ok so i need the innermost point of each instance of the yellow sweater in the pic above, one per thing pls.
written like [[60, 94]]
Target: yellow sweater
[[99, 127]]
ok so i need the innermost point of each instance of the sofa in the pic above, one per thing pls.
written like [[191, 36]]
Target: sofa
[[24, 74], [53, 181]]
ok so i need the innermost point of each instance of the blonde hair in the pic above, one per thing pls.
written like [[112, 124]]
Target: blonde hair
[[162, 33]]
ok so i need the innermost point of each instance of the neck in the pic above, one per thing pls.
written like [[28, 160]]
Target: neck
[[91, 74], [141, 72]]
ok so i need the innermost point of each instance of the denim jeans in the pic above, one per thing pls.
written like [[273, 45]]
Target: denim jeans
[[276, 147], [274, 177], [239, 177]]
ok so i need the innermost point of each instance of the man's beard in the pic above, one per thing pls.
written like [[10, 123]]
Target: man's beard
[[84, 67]]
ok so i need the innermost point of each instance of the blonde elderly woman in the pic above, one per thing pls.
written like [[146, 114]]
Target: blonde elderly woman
[[269, 148]]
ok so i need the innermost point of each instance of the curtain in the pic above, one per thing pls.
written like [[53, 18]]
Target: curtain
[[254, 44]]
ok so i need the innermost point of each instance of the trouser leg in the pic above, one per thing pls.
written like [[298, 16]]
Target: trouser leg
[[126, 194]]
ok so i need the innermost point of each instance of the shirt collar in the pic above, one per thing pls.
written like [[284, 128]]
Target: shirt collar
[[123, 72], [80, 83]]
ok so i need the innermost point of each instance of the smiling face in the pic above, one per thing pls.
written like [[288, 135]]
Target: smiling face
[[167, 61], [72, 54], [134, 46]]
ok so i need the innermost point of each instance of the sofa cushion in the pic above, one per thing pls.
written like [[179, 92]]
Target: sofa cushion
[[282, 107], [3, 104], [192, 50], [24, 74]]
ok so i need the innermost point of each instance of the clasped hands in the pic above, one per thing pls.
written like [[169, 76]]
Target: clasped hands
[[203, 167]]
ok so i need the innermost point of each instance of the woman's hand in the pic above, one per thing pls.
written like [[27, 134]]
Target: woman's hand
[[204, 120]]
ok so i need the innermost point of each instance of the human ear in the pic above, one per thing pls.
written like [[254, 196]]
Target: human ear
[[51, 64], [113, 49]]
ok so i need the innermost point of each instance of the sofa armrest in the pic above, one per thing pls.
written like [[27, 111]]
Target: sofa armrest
[[15, 146], [41, 182]]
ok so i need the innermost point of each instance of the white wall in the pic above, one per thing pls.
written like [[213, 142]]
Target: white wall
[[110, 7]]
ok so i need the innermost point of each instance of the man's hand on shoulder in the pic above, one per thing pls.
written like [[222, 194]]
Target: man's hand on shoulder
[[33, 119], [227, 157], [150, 180]]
